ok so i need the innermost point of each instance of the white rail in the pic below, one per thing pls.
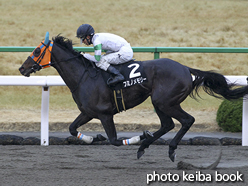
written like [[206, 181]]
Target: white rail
[[47, 81]]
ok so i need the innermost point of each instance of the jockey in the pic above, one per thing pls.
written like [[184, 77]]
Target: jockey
[[118, 50]]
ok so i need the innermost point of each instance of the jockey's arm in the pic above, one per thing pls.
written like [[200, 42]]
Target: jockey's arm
[[98, 51], [90, 57], [97, 56]]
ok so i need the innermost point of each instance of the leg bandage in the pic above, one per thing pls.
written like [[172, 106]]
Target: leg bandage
[[131, 141], [86, 139]]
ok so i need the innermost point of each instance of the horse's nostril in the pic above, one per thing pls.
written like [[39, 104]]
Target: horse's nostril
[[21, 69]]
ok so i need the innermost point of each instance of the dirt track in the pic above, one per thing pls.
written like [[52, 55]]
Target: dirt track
[[109, 165]]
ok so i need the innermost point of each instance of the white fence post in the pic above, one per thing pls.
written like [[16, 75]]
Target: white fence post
[[44, 131], [245, 122]]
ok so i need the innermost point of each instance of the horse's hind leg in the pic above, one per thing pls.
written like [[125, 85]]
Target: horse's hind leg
[[167, 124], [186, 120]]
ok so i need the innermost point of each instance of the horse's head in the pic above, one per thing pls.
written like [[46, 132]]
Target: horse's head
[[39, 58]]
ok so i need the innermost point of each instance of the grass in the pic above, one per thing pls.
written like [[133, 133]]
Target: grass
[[144, 23]]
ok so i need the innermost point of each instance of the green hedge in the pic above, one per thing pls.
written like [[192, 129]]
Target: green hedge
[[229, 115]]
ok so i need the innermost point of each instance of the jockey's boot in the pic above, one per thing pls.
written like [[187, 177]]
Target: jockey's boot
[[118, 77]]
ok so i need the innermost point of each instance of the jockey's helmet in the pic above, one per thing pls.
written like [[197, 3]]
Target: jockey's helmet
[[85, 30]]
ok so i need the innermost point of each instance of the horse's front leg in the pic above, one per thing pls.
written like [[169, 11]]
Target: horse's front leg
[[109, 127], [79, 121]]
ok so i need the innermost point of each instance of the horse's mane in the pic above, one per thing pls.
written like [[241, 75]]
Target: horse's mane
[[66, 43]]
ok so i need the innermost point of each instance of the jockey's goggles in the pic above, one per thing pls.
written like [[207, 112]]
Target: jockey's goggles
[[82, 38]]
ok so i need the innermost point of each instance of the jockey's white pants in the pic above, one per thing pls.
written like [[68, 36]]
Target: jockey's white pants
[[123, 55]]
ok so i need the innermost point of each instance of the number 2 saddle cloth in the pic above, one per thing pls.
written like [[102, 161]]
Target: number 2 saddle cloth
[[133, 74]]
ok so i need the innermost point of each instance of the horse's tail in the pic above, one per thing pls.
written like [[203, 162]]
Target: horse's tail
[[215, 85]]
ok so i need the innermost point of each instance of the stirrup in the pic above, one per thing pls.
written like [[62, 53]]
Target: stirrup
[[112, 81], [115, 80]]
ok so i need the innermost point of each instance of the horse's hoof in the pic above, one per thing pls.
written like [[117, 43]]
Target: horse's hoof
[[147, 134], [172, 156], [140, 153], [100, 137]]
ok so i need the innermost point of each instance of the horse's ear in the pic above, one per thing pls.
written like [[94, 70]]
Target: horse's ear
[[46, 38]]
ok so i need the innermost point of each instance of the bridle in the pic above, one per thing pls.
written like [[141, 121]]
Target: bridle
[[41, 56]]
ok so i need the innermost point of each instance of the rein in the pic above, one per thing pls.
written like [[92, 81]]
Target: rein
[[85, 70]]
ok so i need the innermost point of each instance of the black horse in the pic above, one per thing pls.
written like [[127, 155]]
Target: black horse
[[168, 84]]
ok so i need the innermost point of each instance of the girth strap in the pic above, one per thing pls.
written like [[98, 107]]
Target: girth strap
[[119, 102]]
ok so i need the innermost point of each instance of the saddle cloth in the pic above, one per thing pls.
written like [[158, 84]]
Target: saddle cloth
[[133, 74]]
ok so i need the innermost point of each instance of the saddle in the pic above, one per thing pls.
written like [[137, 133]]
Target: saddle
[[133, 73]]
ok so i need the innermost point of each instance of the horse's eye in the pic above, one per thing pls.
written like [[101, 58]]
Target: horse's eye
[[36, 52]]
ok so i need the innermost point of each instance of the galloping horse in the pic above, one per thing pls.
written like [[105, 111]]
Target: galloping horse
[[168, 84]]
